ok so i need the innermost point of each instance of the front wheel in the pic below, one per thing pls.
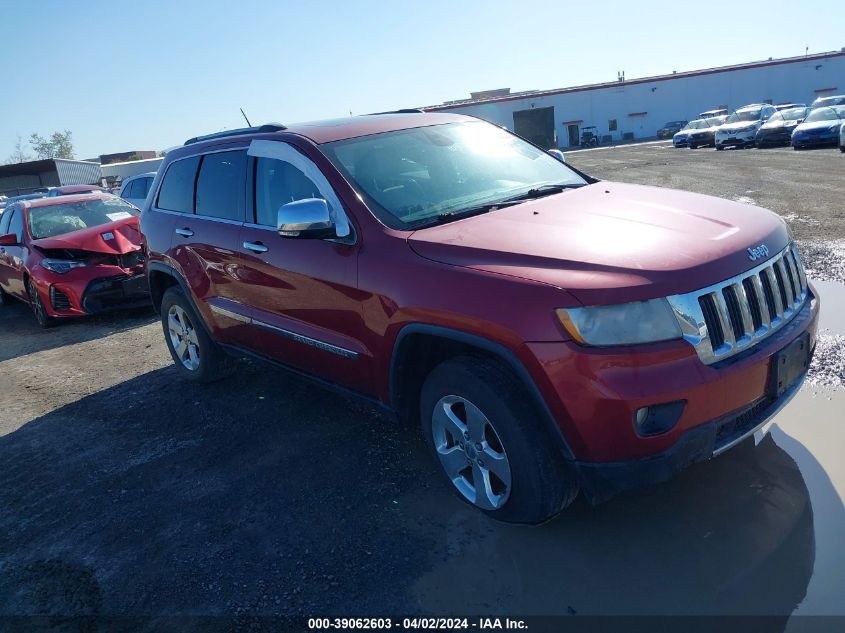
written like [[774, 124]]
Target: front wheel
[[38, 307], [842, 148], [484, 431], [197, 357]]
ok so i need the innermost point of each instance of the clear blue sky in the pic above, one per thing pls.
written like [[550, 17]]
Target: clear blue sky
[[126, 74]]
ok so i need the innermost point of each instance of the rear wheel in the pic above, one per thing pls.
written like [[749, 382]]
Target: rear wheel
[[842, 148], [38, 307], [197, 357], [719, 148], [483, 429]]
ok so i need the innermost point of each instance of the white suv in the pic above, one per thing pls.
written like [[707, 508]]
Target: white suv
[[740, 128]]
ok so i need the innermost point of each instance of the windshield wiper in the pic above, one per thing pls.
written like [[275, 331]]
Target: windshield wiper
[[535, 192], [545, 190]]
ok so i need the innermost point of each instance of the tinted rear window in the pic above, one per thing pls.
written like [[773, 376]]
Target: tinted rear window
[[219, 185], [177, 188]]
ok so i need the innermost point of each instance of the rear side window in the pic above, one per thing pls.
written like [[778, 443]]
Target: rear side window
[[277, 183], [135, 189], [4, 220], [177, 188], [16, 224], [219, 185], [148, 182]]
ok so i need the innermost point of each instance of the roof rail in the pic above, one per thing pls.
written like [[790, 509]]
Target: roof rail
[[267, 127], [400, 111]]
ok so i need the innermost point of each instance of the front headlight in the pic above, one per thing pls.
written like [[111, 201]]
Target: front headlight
[[61, 266], [621, 324]]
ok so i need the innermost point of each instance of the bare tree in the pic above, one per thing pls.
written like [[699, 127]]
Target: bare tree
[[19, 155], [59, 145]]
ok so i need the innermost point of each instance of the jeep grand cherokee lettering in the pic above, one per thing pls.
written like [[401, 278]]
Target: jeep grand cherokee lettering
[[551, 333]]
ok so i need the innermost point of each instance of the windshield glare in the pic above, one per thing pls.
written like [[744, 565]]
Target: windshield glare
[[698, 124], [744, 115], [59, 219], [410, 177], [822, 114]]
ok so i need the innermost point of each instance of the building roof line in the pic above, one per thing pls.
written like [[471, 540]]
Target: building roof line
[[460, 103]]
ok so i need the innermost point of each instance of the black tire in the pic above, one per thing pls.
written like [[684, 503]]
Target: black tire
[[719, 148], [38, 308], [542, 483], [842, 148], [212, 361], [4, 298], [691, 146]]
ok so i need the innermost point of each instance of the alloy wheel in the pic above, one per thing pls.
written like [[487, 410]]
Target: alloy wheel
[[183, 337], [471, 453], [36, 303]]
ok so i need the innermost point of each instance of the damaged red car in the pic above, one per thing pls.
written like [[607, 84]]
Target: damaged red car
[[72, 256]]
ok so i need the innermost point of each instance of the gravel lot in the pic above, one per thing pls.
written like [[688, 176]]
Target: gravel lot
[[125, 491]]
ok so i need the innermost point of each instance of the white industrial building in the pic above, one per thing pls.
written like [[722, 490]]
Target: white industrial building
[[630, 109]]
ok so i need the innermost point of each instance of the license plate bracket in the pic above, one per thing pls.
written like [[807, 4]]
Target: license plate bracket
[[788, 365]]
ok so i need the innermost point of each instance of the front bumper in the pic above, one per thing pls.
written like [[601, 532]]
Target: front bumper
[[92, 290], [772, 137], [602, 481], [735, 139], [816, 140], [594, 395]]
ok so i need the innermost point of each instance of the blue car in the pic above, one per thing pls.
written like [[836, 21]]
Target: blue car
[[820, 128]]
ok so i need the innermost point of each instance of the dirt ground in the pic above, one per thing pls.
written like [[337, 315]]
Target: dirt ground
[[125, 491]]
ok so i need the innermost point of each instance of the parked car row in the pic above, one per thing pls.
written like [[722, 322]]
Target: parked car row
[[763, 125]]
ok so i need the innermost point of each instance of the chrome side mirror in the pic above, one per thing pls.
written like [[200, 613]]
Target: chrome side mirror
[[307, 218], [557, 154]]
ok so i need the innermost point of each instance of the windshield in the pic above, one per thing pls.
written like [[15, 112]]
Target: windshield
[[822, 114], [744, 115], [58, 219], [792, 114], [715, 121], [698, 124], [410, 177]]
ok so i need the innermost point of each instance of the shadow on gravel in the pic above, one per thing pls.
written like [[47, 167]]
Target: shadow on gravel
[[264, 495], [20, 334], [261, 493]]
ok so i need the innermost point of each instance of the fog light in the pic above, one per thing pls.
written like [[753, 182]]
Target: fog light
[[658, 418]]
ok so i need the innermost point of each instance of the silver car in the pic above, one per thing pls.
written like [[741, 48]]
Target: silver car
[[135, 189]]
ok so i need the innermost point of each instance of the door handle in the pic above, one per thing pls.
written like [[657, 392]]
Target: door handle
[[184, 232], [255, 247]]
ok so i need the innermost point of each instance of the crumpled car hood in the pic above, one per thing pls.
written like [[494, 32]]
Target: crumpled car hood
[[114, 238], [609, 242]]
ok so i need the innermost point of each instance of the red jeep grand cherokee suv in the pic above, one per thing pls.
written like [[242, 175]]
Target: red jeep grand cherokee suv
[[550, 332]]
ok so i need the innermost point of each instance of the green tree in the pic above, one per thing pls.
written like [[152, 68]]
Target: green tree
[[59, 145]]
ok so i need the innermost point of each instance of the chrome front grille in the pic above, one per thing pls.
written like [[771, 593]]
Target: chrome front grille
[[731, 316]]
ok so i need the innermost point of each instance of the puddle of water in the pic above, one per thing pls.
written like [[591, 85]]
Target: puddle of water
[[811, 430]]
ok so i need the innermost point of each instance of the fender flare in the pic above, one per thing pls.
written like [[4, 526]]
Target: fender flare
[[183, 285], [497, 350]]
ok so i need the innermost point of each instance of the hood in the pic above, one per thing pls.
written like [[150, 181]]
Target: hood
[[683, 133], [818, 125], [610, 242], [727, 127], [123, 237]]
